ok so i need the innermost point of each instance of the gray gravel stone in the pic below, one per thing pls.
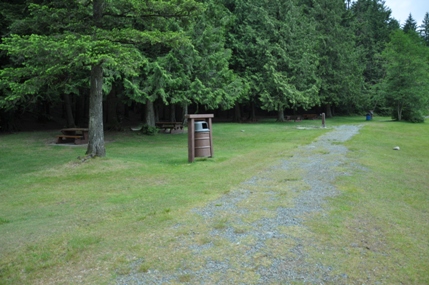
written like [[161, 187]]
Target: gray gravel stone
[[319, 163]]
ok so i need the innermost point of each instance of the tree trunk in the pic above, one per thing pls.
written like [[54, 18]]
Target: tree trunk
[[184, 113], [172, 112], [281, 115], [399, 109], [96, 128], [142, 109], [252, 113], [149, 113], [237, 112], [69, 111], [328, 111]]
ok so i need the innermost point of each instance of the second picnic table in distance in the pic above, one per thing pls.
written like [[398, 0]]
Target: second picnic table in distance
[[172, 126], [73, 135]]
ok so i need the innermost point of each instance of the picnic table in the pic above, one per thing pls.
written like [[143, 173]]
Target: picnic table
[[310, 116], [170, 126], [73, 135], [295, 118]]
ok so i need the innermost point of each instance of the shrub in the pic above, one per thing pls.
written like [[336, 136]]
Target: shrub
[[412, 116], [149, 130]]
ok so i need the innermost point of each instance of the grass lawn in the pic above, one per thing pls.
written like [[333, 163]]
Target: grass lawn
[[64, 222], [378, 229]]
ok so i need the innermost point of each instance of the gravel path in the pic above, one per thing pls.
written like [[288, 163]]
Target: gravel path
[[256, 233]]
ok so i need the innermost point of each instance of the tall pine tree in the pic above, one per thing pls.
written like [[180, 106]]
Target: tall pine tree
[[424, 29], [372, 24], [406, 85], [340, 69], [273, 51], [289, 71], [101, 39], [410, 25]]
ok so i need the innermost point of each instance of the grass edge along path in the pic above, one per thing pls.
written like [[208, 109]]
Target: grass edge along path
[[377, 229]]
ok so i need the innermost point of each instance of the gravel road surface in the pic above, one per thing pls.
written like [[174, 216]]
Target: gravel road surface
[[257, 233]]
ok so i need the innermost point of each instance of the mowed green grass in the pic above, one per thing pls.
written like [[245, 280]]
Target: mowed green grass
[[377, 230], [65, 222]]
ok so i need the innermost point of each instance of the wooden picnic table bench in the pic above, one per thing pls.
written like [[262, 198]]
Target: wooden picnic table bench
[[295, 118], [73, 135], [171, 126], [310, 116]]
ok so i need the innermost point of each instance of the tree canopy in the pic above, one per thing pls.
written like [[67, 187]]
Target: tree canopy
[[424, 29], [56, 40], [410, 25], [406, 83], [293, 55]]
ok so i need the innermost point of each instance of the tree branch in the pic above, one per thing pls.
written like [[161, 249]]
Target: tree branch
[[178, 15]]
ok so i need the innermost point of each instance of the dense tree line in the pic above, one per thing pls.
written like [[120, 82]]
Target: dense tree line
[[275, 55]]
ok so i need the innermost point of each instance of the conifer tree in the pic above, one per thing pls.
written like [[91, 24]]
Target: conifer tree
[[289, 72], [58, 38], [195, 72], [410, 25], [424, 29], [372, 24], [273, 52], [406, 85], [340, 69]]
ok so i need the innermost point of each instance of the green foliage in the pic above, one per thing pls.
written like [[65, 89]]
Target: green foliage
[[372, 25], [149, 130], [273, 51], [49, 48], [406, 85], [410, 25], [294, 54], [424, 29], [53, 51], [196, 71], [289, 76], [410, 115], [340, 67], [54, 57]]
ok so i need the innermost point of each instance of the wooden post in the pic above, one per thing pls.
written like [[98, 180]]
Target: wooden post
[[191, 140], [323, 120]]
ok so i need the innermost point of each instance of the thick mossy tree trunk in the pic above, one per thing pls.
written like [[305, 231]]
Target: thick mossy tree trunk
[[96, 128]]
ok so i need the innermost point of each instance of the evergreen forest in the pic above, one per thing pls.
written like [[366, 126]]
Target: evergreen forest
[[95, 63]]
